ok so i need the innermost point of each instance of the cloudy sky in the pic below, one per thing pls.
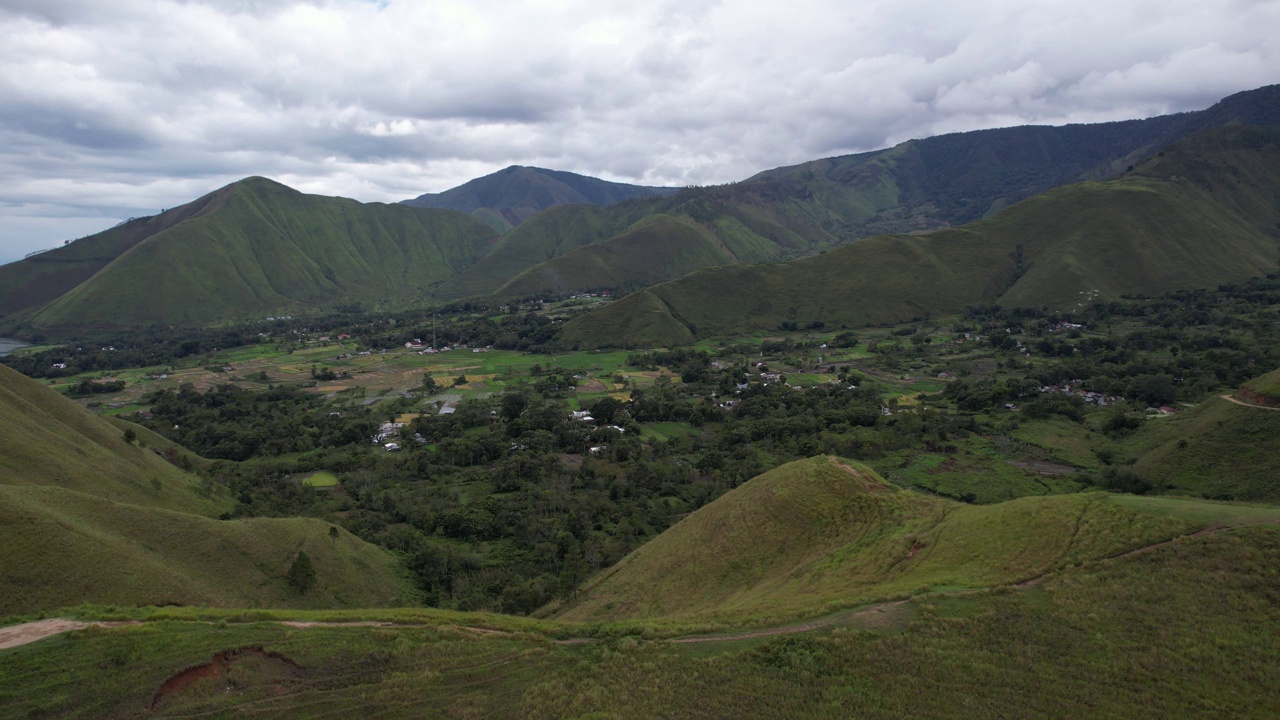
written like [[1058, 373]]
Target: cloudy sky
[[115, 109]]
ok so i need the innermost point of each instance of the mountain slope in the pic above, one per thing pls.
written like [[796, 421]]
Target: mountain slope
[[268, 249], [86, 517], [41, 278], [48, 440], [511, 196], [821, 531], [917, 186], [1200, 214], [66, 548]]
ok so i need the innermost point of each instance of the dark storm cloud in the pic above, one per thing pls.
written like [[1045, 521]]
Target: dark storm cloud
[[112, 109]]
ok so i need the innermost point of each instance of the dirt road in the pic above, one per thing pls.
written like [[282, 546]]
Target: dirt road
[[1250, 405]]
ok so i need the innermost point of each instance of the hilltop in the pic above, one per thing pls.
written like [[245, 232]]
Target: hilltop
[[1199, 214], [251, 249], [822, 533], [512, 195]]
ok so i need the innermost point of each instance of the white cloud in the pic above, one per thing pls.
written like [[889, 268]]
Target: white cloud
[[121, 108]]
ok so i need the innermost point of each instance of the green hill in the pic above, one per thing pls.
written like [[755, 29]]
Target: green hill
[[511, 196], [1218, 449], [1200, 214], [66, 548], [819, 533], [267, 249], [86, 517], [49, 440]]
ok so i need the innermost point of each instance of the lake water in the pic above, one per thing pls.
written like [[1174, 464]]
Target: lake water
[[7, 346]]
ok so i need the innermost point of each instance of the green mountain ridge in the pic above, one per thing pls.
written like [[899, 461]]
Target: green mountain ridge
[[917, 186], [1200, 214], [266, 250]]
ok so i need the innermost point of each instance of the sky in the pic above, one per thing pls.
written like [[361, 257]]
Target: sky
[[110, 110]]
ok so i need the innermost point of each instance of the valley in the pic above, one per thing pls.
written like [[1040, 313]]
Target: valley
[[548, 446]]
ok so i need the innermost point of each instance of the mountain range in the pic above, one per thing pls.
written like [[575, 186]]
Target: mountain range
[[258, 248]]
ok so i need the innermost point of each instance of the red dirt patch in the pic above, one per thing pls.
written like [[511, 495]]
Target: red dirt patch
[[220, 665]]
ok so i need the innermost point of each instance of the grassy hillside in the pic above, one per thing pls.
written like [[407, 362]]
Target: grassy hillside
[[65, 548], [1160, 228], [543, 237], [269, 250], [1218, 449], [655, 249], [820, 533], [50, 440], [1190, 629], [41, 278]]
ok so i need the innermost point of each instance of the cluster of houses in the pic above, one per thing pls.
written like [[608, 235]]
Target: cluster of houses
[[389, 432], [1089, 396], [279, 317], [1065, 327]]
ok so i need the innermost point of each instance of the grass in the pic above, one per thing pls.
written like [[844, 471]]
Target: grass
[[321, 479], [68, 548], [1216, 450], [664, 431], [1185, 630], [50, 440], [819, 534]]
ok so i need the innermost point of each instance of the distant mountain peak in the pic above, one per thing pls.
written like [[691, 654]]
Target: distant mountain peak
[[515, 193]]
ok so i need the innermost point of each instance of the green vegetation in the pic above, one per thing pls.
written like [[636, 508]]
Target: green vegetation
[[819, 534], [1150, 232], [49, 440], [267, 250], [1129, 637], [65, 548], [1264, 390]]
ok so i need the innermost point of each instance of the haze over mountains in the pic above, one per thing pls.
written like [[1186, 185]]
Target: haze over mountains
[[258, 248]]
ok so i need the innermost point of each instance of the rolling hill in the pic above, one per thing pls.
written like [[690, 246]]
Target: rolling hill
[[251, 249], [86, 517], [49, 440], [511, 196], [1219, 449], [65, 548], [1200, 213], [818, 534]]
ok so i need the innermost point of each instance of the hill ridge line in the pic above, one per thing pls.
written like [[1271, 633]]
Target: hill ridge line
[[26, 633]]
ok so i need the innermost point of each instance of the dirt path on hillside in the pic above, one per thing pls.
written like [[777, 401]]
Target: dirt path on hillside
[[1233, 399], [16, 635], [869, 617]]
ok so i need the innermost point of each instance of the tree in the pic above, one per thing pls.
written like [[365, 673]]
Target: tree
[[333, 533], [606, 409], [130, 436], [302, 574]]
